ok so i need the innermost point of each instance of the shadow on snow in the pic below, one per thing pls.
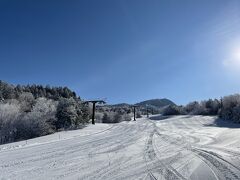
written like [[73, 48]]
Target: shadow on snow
[[223, 124]]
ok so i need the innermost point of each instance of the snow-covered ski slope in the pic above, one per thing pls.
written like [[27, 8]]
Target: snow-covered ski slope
[[180, 147]]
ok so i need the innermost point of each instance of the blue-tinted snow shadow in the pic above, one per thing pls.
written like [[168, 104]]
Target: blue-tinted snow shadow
[[159, 118], [223, 124]]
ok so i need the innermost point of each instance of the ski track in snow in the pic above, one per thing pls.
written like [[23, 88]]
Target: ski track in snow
[[179, 147]]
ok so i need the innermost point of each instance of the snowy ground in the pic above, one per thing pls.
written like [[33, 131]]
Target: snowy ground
[[180, 147]]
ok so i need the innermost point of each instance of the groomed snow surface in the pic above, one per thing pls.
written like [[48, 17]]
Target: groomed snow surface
[[179, 147]]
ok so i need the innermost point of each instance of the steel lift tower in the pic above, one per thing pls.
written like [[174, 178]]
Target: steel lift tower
[[94, 102], [134, 112]]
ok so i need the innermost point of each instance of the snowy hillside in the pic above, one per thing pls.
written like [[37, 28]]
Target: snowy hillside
[[180, 147]]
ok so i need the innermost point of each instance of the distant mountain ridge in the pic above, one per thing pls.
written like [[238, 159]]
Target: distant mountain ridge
[[120, 105], [153, 103], [158, 103]]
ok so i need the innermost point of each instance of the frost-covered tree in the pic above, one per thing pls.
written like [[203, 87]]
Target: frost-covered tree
[[230, 108], [66, 113], [193, 108], [26, 101], [106, 118], [9, 115], [172, 110], [40, 121], [7, 90], [236, 114]]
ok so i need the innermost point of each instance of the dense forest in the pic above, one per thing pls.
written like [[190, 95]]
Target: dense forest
[[34, 110], [227, 108]]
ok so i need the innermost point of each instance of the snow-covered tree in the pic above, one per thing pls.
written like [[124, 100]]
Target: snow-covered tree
[[9, 115]]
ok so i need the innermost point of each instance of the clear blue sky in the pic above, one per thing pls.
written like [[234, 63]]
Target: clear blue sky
[[124, 50]]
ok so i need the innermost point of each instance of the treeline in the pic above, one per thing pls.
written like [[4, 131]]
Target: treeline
[[113, 114], [8, 91], [227, 108], [34, 110]]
